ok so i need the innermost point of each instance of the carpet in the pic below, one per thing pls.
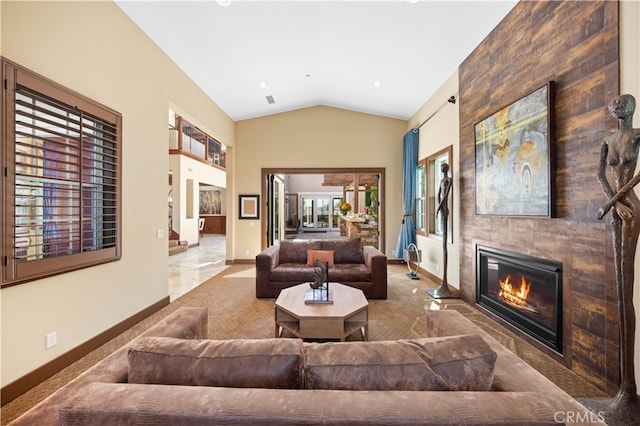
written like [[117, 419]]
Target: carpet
[[234, 312]]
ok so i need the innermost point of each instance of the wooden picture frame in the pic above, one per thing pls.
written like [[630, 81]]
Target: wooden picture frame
[[514, 158], [249, 207]]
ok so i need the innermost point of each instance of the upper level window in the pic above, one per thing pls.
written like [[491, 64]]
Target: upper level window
[[61, 180]]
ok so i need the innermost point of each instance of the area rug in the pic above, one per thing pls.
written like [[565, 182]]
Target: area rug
[[234, 312]]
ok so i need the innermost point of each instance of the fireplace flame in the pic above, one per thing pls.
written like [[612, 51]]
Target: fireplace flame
[[516, 297]]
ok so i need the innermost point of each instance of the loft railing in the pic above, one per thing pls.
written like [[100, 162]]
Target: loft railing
[[188, 140]]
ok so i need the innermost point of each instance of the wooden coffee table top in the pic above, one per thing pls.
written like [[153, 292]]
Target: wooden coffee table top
[[346, 300], [346, 315]]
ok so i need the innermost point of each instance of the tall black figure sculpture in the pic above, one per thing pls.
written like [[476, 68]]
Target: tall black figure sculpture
[[619, 151], [444, 291]]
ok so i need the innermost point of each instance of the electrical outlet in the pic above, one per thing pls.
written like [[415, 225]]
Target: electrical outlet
[[437, 267], [246, 252], [51, 340], [159, 233]]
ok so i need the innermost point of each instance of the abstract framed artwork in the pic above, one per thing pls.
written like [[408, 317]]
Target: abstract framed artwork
[[514, 154], [249, 207], [210, 201]]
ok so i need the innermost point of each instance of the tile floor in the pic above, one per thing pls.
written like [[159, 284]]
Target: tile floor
[[191, 268]]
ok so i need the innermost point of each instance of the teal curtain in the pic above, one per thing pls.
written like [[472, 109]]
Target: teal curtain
[[407, 233]]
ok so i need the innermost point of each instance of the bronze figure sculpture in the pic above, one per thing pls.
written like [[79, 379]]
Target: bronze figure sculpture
[[320, 273], [444, 190], [619, 151]]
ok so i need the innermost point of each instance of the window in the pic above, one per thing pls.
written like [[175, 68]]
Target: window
[[421, 205], [434, 173], [61, 180]]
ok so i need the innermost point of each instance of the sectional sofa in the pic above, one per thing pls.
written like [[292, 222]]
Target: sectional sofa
[[459, 375]]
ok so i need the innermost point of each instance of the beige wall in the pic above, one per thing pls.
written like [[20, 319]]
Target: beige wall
[[630, 83], [316, 137], [112, 62], [440, 132]]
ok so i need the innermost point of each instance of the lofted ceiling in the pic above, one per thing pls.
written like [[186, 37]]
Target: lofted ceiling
[[308, 53]]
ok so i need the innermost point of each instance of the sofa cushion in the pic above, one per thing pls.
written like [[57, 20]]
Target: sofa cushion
[[242, 363], [345, 251], [293, 272], [130, 404], [349, 273], [450, 363], [295, 251], [323, 256]]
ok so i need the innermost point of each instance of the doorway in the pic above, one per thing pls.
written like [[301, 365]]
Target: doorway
[[275, 209], [313, 197], [315, 213], [320, 213]]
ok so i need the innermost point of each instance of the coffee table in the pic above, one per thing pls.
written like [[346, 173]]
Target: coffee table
[[348, 314]]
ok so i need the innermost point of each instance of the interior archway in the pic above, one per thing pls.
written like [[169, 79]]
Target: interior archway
[[356, 186]]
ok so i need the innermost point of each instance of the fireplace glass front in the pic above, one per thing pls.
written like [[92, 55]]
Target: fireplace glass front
[[525, 291]]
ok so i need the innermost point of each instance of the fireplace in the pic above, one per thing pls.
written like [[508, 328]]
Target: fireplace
[[525, 291]]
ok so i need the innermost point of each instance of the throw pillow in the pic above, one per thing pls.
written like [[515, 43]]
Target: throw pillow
[[456, 363], [240, 363], [323, 256]]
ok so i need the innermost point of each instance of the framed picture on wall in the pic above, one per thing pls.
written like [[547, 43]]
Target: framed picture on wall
[[249, 207], [210, 201], [514, 157]]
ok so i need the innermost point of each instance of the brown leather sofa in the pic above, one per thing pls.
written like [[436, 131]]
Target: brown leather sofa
[[287, 382], [285, 265]]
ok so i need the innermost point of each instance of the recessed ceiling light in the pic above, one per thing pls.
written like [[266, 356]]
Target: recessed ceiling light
[[377, 84], [223, 2], [263, 85]]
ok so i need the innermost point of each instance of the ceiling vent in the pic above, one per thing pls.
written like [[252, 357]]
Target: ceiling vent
[[270, 100]]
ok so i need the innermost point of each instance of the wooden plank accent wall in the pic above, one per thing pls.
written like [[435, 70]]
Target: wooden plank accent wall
[[576, 45]]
